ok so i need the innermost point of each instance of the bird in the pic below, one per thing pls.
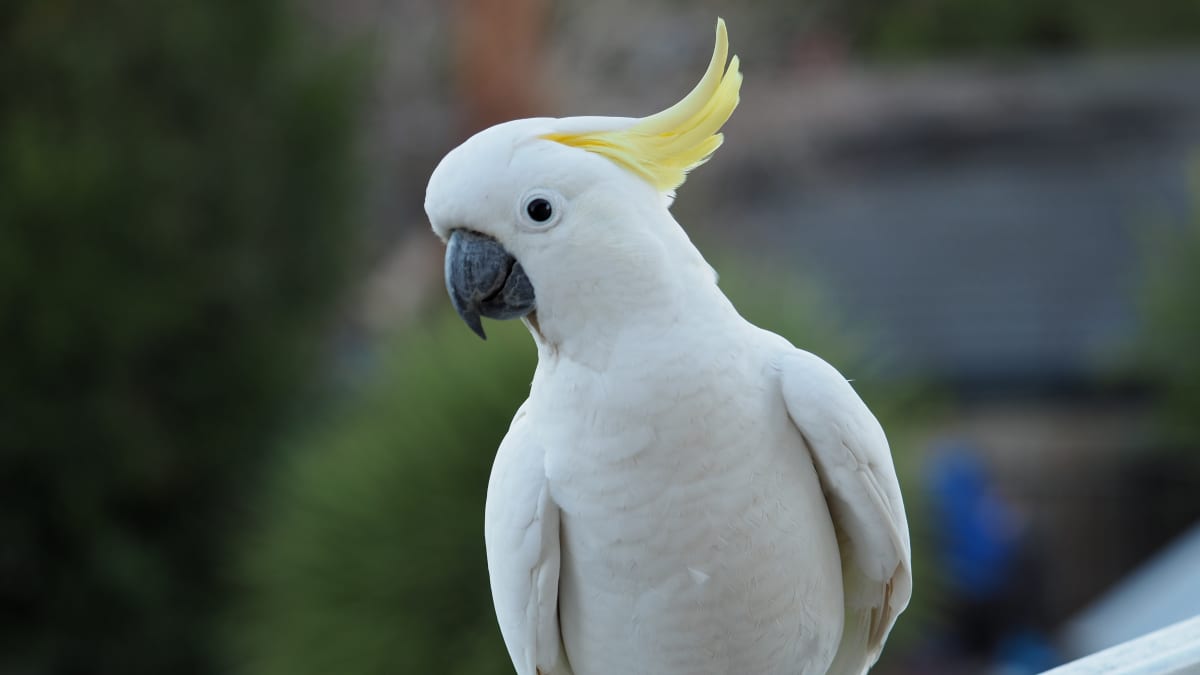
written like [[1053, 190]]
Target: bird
[[682, 492]]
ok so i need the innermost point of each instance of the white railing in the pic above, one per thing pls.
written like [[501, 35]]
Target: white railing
[[1173, 650]]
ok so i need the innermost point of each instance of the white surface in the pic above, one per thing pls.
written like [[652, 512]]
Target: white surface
[[1173, 650]]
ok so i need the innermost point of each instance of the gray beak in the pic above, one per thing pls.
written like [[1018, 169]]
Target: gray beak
[[485, 280]]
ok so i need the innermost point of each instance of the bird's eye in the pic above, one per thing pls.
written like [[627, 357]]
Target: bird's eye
[[539, 209]]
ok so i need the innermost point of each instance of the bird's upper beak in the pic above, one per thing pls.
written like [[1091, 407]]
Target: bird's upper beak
[[485, 280]]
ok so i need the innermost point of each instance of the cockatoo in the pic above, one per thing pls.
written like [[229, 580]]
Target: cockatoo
[[682, 493]]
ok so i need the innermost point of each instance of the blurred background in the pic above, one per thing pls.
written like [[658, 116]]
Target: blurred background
[[231, 387]]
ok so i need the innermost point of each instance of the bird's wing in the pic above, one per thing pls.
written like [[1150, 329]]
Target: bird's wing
[[854, 463], [521, 531]]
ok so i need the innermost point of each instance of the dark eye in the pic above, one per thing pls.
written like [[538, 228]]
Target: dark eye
[[539, 209]]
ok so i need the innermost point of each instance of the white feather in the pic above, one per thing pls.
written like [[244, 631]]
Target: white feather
[[852, 457], [682, 493], [521, 532]]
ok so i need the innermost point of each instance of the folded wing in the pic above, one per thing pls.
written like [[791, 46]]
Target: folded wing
[[521, 531], [855, 466]]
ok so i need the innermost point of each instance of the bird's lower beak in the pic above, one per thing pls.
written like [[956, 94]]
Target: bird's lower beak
[[485, 280]]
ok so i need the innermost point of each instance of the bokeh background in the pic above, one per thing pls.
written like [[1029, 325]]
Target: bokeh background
[[241, 431]]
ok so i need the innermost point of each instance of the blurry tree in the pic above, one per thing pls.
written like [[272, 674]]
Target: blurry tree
[[1170, 342], [922, 28], [1164, 356], [370, 556], [173, 186]]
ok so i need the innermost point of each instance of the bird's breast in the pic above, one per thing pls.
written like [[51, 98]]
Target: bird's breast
[[694, 529]]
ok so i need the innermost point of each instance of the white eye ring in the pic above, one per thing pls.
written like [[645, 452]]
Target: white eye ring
[[540, 209]]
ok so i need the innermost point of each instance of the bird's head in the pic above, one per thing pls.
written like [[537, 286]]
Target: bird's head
[[566, 221]]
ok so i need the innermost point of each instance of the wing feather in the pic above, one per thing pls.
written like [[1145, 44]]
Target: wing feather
[[855, 466], [521, 530]]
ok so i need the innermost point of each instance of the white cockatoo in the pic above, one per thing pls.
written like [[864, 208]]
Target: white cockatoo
[[682, 493]]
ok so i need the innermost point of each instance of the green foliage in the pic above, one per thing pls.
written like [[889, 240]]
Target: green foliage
[[923, 28], [173, 182], [1169, 348], [370, 554]]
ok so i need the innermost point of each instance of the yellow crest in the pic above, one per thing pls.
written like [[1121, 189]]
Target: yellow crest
[[663, 147]]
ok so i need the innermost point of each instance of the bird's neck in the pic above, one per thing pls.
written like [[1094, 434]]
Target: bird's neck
[[640, 287], [620, 326]]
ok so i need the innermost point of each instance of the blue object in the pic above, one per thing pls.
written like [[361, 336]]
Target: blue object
[[978, 534]]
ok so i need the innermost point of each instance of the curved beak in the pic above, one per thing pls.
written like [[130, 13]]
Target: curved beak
[[485, 280]]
